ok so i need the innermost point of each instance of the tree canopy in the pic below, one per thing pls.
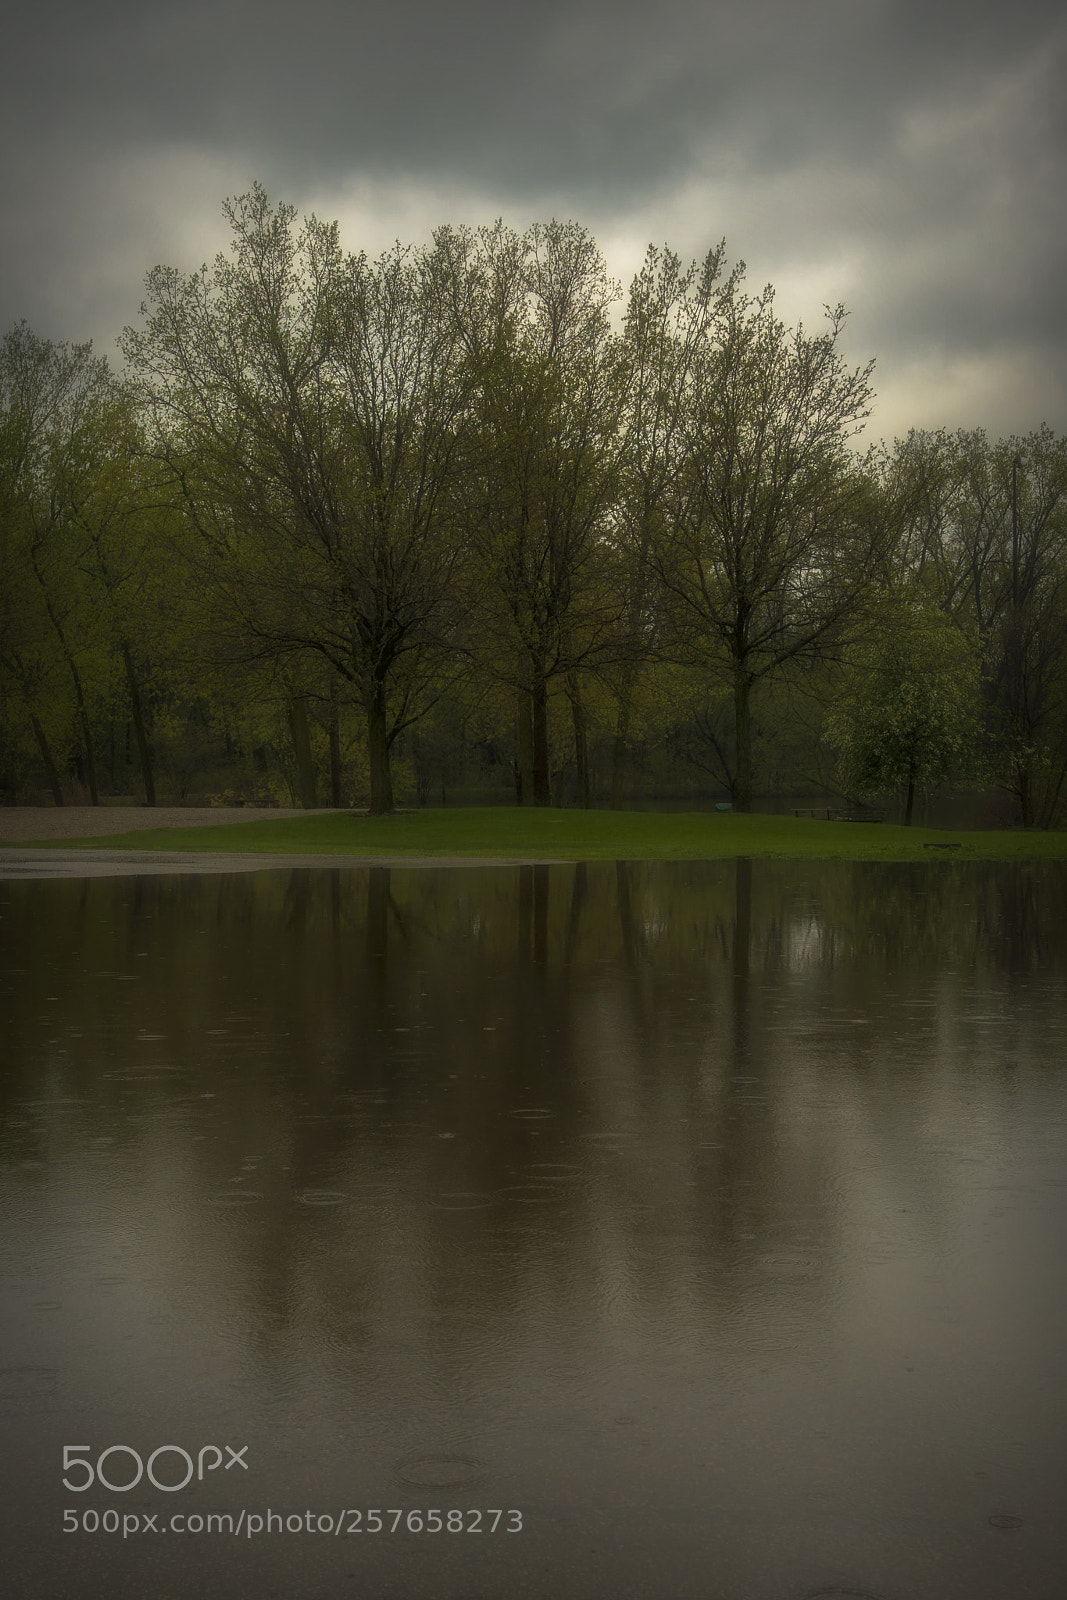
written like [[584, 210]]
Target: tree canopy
[[469, 513]]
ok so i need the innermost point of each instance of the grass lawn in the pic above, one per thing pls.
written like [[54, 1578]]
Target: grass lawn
[[583, 835]]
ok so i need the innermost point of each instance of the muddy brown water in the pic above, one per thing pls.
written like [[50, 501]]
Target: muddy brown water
[[571, 1231]]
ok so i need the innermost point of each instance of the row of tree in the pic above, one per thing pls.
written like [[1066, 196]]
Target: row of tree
[[444, 491]]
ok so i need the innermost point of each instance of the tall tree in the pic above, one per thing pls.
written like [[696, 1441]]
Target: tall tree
[[665, 327], [539, 466], [116, 523], [983, 526], [48, 392], [771, 542], [1012, 536], [308, 404]]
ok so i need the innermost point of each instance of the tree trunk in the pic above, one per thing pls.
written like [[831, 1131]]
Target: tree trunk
[[305, 766], [1026, 802], [1051, 799], [139, 728], [381, 777], [620, 749], [910, 803], [46, 757], [87, 738], [581, 739], [83, 715], [542, 787], [743, 738], [335, 748], [526, 757]]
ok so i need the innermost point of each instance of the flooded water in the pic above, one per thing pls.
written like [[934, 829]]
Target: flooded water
[[682, 1231]]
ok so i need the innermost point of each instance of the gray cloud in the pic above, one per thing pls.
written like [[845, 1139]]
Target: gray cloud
[[907, 158]]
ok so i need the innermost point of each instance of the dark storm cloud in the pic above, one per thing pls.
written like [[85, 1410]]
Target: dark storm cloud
[[579, 95], [912, 151]]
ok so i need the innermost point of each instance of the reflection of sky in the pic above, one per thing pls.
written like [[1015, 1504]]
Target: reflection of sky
[[805, 942]]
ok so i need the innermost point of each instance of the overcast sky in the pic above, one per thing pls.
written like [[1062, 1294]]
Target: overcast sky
[[904, 156]]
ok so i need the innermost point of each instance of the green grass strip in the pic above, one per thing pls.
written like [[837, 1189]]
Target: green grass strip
[[583, 836]]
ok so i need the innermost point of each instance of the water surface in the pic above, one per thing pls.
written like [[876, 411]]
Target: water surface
[[711, 1216]]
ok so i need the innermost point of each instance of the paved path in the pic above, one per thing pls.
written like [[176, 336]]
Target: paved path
[[21, 824], [18, 823], [161, 863]]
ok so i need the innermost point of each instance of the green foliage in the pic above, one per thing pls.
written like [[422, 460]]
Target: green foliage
[[538, 464], [982, 528], [769, 550], [431, 513], [59, 673], [305, 406], [909, 710]]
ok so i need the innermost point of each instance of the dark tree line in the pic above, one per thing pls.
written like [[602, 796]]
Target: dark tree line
[[350, 508]]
